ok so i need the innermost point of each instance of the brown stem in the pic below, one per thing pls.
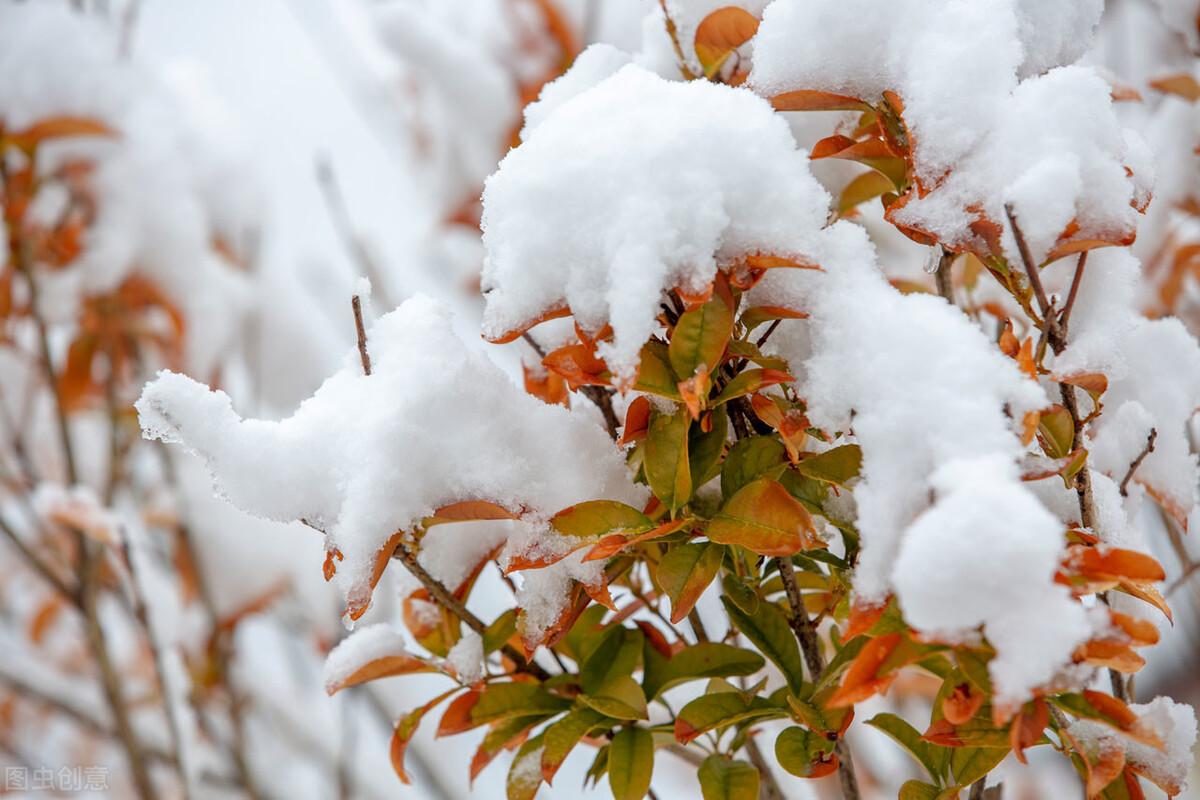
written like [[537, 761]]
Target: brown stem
[[602, 398], [810, 646], [763, 339], [438, 591], [1064, 319], [1057, 340], [361, 334], [64, 431], [89, 568], [768, 788], [38, 565], [1137, 462], [175, 725]]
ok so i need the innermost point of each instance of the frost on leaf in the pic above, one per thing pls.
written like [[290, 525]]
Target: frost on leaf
[[367, 457]]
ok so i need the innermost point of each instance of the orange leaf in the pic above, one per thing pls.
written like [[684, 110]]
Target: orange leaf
[[862, 618], [1141, 632], [1008, 340], [512, 335], [811, 100], [1025, 360], [721, 33], [1181, 84], [385, 667], [962, 703], [405, 728], [655, 638], [546, 385], [44, 618], [57, 128], [330, 566], [1107, 767], [457, 717], [1027, 727], [578, 365], [862, 680], [468, 511], [764, 517], [1113, 655], [1099, 563], [637, 420]]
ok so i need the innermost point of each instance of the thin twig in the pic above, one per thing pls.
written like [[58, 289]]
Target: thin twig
[[438, 591], [361, 333], [697, 625], [1035, 280], [110, 682], [1064, 319], [600, 396], [1137, 462], [673, 32], [768, 788], [763, 339], [39, 566], [810, 646], [175, 724]]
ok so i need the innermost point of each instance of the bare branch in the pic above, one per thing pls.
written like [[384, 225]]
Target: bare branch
[[942, 277], [438, 591], [1064, 319], [1137, 462], [361, 333]]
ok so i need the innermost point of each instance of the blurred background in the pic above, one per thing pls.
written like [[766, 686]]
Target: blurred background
[[203, 186]]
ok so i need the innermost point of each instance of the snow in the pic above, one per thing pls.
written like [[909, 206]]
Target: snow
[[367, 456], [1153, 371], [466, 658], [1173, 723], [361, 647], [1182, 16], [986, 554], [631, 188], [1049, 144]]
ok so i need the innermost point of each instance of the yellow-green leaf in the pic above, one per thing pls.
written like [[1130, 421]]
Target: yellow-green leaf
[[764, 517], [700, 337], [655, 375], [596, 518], [768, 630], [631, 763], [685, 572], [666, 458], [725, 779], [837, 465]]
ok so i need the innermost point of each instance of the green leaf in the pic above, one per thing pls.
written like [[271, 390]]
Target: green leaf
[[563, 735], [755, 457], [838, 664], [704, 660], [699, 338], [969, 764], [1056, 432], [763, 517], [631, 763], [837, 465], [666, 461], [718, 710], [685, 572], [917, 790], [705, 449], [500, 631], [598, 768], [801, 752], [583, 636], [739, 593], [523, 782], [655, 375], [910, 739], [750, 351], [750, 381], [753, 317], [620, 698], [617, 655], [605, 676], [724, 779], [501, 701], [597, 518], [768, 630]]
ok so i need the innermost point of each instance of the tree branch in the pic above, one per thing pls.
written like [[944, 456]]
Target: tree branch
[[1137, 462], [810, 646], [361, 334], [438, 591]]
